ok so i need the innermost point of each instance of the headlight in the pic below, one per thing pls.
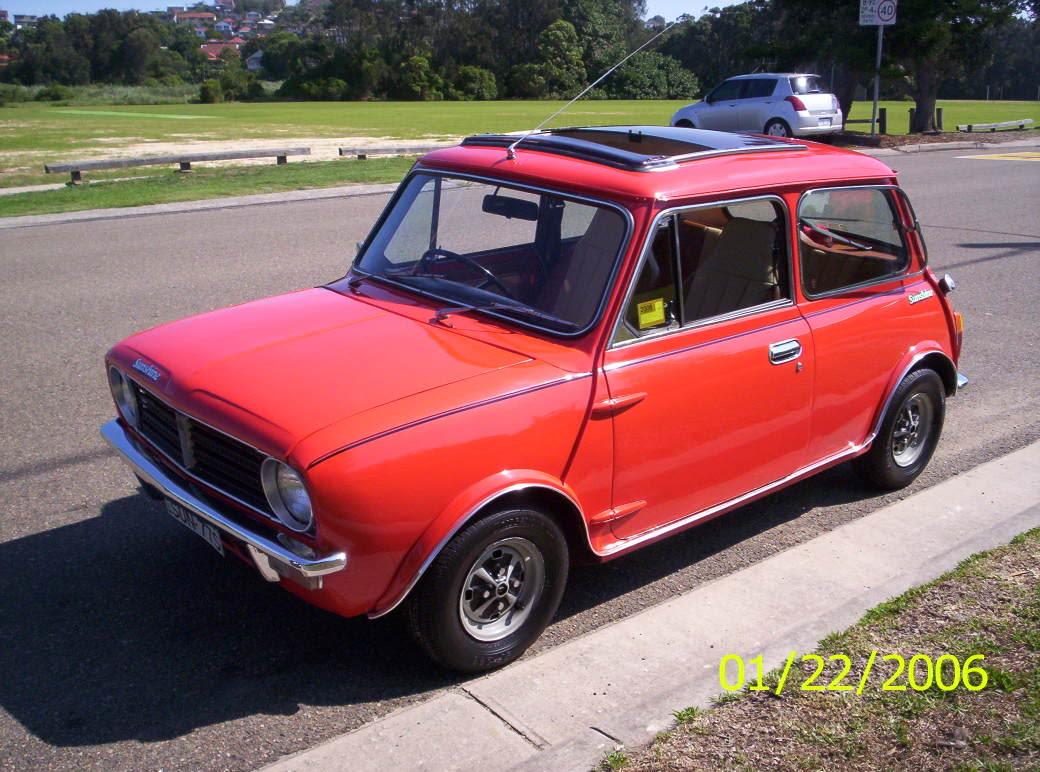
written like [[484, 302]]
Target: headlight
[[124, 395], [286, 495]]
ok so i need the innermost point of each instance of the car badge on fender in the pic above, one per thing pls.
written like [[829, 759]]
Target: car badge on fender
[[151, 371], [917, 297]]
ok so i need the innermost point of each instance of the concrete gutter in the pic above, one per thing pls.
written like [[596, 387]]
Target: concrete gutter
[[933, 147], [261, 199], [618, 685]]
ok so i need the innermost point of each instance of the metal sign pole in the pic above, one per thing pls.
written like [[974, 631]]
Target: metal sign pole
[[877, 80]]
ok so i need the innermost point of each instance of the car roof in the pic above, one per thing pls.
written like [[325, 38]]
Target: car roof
[[600, 161], [775, 75]]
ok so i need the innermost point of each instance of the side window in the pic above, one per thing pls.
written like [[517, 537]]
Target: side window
[[760, 88], [728, 90], [728, 258], [849, 237], [653, 305]]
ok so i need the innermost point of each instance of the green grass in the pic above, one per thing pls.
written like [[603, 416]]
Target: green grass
[[954, 112], [171, 186]]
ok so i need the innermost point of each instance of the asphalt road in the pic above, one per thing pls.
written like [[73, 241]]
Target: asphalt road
[[126, 643]]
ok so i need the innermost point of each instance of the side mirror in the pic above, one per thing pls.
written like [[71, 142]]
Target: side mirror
[[510, 208]]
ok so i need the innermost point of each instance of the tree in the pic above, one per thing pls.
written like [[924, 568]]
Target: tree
[[417, 80], [935, 39], [137, 52], [281, 54], [562, 65], [475, 83], [651, 75]]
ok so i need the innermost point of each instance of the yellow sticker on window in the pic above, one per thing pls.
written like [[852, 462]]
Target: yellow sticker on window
[[651, 313]]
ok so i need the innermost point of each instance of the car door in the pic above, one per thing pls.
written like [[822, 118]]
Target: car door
[[755, 106], [854, 263], [710, 369], [721, 112]]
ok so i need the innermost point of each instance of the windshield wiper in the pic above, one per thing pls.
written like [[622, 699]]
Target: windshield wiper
[[532, 313]]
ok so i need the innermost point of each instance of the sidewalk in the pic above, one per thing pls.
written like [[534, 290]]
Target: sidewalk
[[567, 707]]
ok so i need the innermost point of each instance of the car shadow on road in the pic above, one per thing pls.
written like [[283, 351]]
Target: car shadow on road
[[125, 627]]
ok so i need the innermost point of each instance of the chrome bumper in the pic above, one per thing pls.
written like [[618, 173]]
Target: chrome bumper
[[962, 380], [271, 558]]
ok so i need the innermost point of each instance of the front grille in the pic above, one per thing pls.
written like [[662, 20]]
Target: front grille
[[226, 464]]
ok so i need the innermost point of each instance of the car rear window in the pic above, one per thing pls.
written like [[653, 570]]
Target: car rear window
[[807, 84]]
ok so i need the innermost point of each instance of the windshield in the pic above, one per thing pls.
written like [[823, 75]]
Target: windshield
[[533, 257]]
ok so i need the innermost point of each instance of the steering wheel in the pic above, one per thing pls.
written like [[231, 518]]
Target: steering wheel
[[447, 255]]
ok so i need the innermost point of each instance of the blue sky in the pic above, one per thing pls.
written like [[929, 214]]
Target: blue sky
[[667, 8]]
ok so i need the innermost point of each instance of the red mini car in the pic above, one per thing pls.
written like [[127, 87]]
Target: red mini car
[[568, 348]]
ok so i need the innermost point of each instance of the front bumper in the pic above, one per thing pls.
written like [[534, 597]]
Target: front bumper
[[272, 560]]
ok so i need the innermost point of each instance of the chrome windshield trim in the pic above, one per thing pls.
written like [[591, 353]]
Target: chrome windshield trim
[[506, 182], [154, 475]]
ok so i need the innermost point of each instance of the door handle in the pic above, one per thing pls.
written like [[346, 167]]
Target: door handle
[[784, 351], [609, 407]]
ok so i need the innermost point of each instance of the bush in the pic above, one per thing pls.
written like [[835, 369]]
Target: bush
[[10, 92], [651, 75], [55, 93], [475, 83], [210, 92]]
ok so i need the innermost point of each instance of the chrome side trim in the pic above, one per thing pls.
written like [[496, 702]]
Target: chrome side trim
[[153, 474], [664, 530], [458, 526]]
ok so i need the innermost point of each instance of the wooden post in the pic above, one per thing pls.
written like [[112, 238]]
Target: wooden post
[[910, 126], [362, 157], [939, 118], [282, 159], [76, 177], [882, 120], [185, 166]]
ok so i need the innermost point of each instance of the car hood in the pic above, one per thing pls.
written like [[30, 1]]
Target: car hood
[[275, 371]]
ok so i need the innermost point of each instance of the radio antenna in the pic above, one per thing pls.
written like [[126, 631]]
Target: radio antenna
[[511, 150]]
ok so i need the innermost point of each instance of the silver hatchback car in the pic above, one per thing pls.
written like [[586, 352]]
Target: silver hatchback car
[[781, 104]]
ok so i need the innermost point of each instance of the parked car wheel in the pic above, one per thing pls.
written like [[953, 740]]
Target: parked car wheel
[[909, 432], [491, 591], [778, 128]]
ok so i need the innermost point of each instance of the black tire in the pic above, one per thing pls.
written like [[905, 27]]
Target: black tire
[[775, 126], [436, 616], [892, 462], [685, 124]]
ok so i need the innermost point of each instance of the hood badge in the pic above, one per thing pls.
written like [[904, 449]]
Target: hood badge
[[148, 370]]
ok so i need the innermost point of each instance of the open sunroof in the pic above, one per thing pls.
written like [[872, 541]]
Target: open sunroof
[[637, 148]]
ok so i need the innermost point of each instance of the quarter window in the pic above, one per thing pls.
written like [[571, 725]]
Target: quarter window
[[849, 237], [709, 262], [760, 88]]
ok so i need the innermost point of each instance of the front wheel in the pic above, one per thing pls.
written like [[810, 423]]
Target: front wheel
[[778, 128], [909, 432], [491, 591]]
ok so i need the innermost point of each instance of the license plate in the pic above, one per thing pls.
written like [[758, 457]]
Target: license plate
[[825, 121], [195, 523]]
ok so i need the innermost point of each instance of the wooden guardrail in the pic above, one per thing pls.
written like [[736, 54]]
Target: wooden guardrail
[[361, 153], [995, 126], [76, 168], [882, 120]]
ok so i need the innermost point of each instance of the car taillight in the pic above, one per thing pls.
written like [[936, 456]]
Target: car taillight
[[796, 103], [834, 103]]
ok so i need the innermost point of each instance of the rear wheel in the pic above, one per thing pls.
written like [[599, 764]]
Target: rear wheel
[[685, 124], [909, 432], [491, 591], [778, 127]]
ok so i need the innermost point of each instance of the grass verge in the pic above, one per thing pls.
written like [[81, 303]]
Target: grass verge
[[989, 605], [205, 183]]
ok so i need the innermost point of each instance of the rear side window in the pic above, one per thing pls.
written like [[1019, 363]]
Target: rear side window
[[807, 84], [759, 88], [849, 237]]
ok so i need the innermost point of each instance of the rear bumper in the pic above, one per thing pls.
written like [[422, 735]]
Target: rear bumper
[[272, 560]]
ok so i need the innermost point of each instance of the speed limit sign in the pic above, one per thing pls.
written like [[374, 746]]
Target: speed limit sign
[[877, 13]]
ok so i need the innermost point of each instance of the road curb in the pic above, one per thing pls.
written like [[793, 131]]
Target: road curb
[[203, 205], [618, 685], [935, 147]]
